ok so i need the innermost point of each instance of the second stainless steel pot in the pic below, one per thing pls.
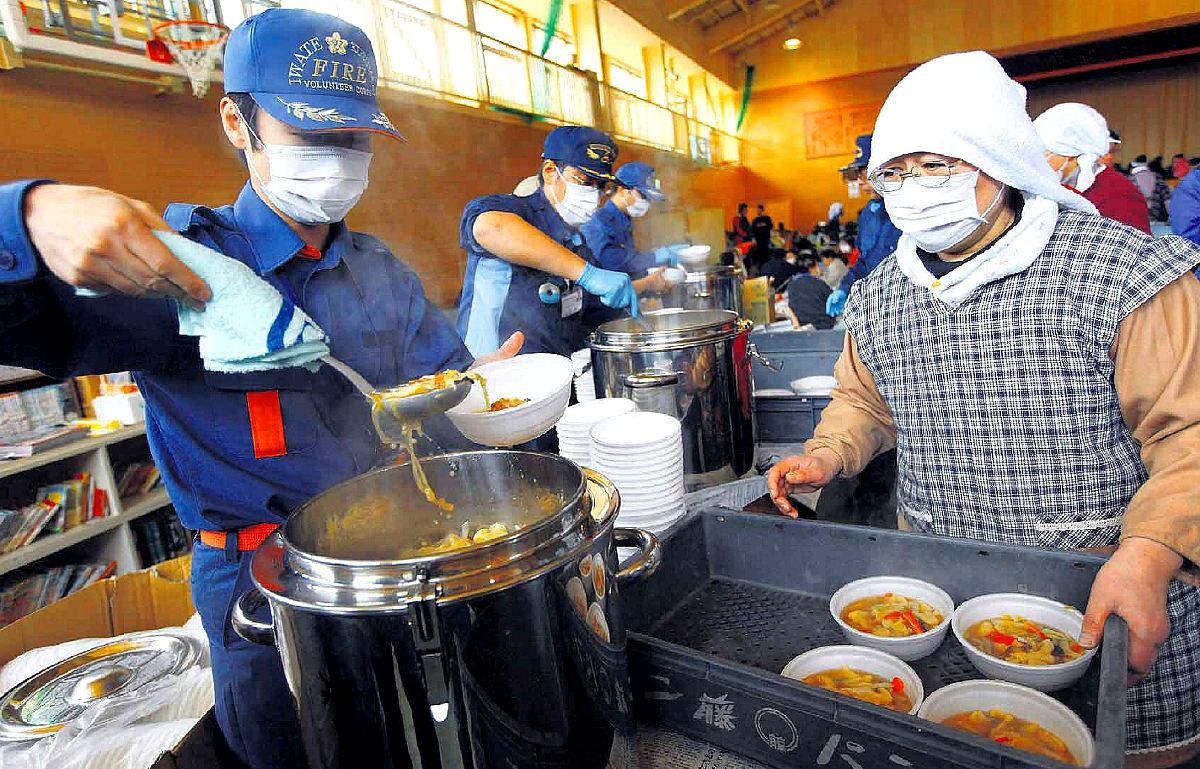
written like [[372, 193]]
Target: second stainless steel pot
[[510, 653], [691, 364], [718, 287]]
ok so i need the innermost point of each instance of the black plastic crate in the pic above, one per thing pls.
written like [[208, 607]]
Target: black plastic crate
[[787, 420], [738, 595]]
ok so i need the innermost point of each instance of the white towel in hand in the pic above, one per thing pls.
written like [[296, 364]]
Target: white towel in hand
[[248, 325]]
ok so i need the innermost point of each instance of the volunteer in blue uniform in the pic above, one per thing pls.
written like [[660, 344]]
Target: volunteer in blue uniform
[[609, 235], [527, 265], [877, 236], [237, 452]]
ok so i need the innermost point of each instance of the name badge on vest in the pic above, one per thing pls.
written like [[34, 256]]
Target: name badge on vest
[[572, 302]]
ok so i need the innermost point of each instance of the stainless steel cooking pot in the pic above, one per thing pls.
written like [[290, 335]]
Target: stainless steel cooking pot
[[510, 653], [718, 287], [691, 364]]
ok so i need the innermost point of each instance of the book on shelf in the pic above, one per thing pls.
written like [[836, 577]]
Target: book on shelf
[[20, 527], [23, 595], [37, 440], [138, 478], [160, 537]]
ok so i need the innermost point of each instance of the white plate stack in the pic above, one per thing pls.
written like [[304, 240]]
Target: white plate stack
[[585, 385], [642, 454], [575, 427]]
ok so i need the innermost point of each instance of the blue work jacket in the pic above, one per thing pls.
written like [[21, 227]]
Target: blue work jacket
[[199, 423], [609, 236], [877, 239]]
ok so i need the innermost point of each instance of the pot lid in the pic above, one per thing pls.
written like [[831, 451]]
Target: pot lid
[[702, 274], [52, 698], [665, 329], [365, 545]]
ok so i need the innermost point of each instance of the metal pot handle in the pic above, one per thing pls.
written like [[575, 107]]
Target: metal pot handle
[[651, 378], [648, 558], [243, 621]]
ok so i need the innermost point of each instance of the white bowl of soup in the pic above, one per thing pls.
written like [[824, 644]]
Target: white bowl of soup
[[865, 674], [1025, 639], [902, 616], [1003, 713], [528, 395]]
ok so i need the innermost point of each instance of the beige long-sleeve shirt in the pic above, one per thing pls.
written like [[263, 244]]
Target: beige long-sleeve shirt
[[1157, 378]]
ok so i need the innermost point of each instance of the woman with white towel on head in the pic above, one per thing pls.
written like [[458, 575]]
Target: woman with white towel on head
[[1035, 366]]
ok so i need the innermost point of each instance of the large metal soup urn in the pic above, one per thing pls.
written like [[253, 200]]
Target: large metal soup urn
[[507, 654]]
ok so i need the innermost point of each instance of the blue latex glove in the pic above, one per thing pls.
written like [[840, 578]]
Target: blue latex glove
[[835, 303], [664, 255], [615, 289]]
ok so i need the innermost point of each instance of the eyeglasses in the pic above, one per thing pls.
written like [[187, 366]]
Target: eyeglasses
[[933, 173], [607, 187]]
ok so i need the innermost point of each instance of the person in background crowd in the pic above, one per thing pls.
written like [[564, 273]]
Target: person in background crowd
[[1158, 168], [781, 237], [526, 265], [877, 236], [833, 268], [847, 249], [833, 221], [1109, 159], [1193, 163], [740, 228], [779, 268], [1152, 187], [1075, 137], [1179, 166], [806, 295], [1035, 364], [761, 228], [1185, 208]]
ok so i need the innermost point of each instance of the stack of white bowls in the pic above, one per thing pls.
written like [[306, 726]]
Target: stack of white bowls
[[642, 454], [585, 385], [575, 427]]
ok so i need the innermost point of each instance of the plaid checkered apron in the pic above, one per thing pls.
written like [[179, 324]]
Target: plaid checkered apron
[[1008, 424]]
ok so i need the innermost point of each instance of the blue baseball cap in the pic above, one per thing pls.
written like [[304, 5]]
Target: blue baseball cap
[[587, 149], [639, 176], [312, 71], [862, 153]]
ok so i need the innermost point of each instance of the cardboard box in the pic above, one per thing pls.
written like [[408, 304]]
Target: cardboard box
[[144, 600]]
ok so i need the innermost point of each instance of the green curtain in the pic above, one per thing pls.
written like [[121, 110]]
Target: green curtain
[[552, 17], [747, 85]]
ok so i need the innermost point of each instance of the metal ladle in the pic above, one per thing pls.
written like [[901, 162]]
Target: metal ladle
[[409, 410]]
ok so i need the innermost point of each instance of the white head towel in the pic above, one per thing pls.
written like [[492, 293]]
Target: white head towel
[[835, 209], [964, 106], [1075, 130]]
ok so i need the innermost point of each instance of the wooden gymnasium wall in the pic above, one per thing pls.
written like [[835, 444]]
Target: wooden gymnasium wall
[[1157, 113], [90, 130]]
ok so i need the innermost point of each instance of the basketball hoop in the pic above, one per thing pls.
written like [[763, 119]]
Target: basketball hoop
[[196, 45]]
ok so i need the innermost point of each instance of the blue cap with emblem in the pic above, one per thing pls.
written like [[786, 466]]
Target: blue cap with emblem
[[639, 176], [862, 153], [309, 70], [587, 149]]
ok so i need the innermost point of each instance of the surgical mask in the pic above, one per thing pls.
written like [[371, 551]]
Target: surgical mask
[[313, 185], [579, 203], [639, 207], [1069, 179], [938, 218]]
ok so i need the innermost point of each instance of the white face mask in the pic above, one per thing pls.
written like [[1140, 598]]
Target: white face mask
[[639, 207], [579, 203], [938, 218], [314, 185]]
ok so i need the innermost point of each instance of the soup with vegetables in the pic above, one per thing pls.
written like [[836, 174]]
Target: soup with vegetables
[[1007, 729], [891, 615], [1015, 639], [867, 687]]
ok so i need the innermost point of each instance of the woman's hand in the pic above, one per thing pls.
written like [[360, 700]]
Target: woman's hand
[[1133, 585], [803, 474]]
